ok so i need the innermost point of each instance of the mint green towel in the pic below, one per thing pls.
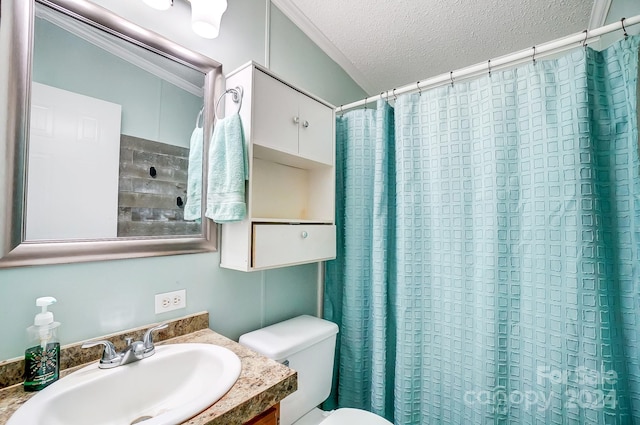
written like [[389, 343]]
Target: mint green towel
[[193, 206], [228, 170]]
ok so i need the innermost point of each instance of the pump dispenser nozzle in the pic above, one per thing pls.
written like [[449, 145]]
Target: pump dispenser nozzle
[[44, 317], [44, 320]]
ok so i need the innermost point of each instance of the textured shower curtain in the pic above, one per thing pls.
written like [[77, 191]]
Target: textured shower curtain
[[487, 267]]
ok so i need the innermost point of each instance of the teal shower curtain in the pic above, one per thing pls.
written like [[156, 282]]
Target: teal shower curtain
[[488, 248]]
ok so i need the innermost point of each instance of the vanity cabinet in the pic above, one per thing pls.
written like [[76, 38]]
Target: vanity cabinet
[[270, 416], [290, 137]]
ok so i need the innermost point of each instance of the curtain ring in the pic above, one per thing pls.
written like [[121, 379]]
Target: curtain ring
[[534, 55], [419, 90], [394, 95], [381, 93], [489, 66], [586, 35], [341, 106], [451, 76], [624, 30]]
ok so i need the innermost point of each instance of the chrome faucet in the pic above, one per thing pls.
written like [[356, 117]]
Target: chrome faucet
[[134, 351]]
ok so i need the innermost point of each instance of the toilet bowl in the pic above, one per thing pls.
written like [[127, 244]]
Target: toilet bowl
[[307, 345]]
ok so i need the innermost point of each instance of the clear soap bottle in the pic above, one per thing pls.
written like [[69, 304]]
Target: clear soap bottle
[[42, 358]]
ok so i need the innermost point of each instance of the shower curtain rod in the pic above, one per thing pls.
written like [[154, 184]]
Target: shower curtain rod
[[533, 53]]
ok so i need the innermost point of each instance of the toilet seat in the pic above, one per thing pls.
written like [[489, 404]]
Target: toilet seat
[[348, 416]]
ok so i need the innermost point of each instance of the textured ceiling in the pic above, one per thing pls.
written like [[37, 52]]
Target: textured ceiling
[[397, 42]]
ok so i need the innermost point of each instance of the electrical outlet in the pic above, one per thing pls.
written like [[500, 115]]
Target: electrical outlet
[[170, 301]]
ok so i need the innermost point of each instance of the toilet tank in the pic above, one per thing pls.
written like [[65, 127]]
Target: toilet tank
[[307, 344]]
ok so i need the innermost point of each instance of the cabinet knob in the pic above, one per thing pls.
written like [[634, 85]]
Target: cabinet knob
[[305, 124], [304, 234], [296, 120]]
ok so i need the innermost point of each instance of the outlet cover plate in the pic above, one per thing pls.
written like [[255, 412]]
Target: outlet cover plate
[[169, 301]]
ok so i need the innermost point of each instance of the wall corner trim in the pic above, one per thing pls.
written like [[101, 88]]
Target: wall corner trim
[[599, 13], [296, 16]]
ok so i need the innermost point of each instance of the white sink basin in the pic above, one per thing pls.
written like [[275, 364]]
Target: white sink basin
[[176, 383]]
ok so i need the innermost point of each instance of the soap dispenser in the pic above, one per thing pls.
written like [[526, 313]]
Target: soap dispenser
[[42, 359]]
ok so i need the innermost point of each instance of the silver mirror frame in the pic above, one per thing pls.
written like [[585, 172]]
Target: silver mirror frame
[[16, 42]]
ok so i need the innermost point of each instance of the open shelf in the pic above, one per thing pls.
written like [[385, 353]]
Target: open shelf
[[288, 193]]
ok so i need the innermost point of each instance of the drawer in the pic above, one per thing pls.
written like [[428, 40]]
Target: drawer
[[288, 244]]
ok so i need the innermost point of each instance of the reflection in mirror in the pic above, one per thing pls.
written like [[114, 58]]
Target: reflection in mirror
[[99, 122], [104, 112]]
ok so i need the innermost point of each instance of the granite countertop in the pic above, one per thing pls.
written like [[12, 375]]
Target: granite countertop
[[262, 383]]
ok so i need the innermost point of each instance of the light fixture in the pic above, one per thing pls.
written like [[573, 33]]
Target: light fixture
[[206, 16], [159, 4]]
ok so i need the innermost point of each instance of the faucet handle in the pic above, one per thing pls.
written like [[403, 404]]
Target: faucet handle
[[148, 337], [110, 357]]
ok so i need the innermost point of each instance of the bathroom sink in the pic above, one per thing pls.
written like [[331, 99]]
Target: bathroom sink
[[176, 383]]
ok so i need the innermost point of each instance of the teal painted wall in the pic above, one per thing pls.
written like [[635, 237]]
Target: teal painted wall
[[301, 62], [620, 9], [103, 297]]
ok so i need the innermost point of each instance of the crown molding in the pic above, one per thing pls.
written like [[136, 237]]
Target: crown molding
[[296, 16]]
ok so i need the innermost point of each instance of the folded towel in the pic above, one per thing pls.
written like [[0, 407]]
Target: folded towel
[[228, 170], [193, 206]]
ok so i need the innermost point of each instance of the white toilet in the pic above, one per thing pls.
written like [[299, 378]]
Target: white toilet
[[306, 344]]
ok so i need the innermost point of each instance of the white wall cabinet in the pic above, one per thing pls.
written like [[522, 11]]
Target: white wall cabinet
[[290, 121], [290, 138]]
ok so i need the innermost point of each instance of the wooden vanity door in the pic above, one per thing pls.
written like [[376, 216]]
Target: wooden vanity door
[[270, 416]]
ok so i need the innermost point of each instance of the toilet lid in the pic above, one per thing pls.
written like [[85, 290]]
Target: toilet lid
[[347, 416]]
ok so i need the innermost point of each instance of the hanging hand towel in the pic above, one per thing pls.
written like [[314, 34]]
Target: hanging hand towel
[[193, 206], [228, 170]]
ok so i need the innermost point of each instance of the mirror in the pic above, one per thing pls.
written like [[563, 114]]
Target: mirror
[[99, 128]]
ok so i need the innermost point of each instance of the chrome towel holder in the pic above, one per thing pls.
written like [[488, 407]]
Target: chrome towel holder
[[236, 96]]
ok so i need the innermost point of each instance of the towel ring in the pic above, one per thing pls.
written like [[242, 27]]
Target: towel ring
[[236, 96]]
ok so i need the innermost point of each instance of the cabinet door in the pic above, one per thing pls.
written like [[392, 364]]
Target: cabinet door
[[286, 244], [269, 417], [275, 114], [316, 131]]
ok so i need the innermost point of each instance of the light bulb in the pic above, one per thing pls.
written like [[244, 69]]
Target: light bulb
[[159, 4], [206, 16]]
